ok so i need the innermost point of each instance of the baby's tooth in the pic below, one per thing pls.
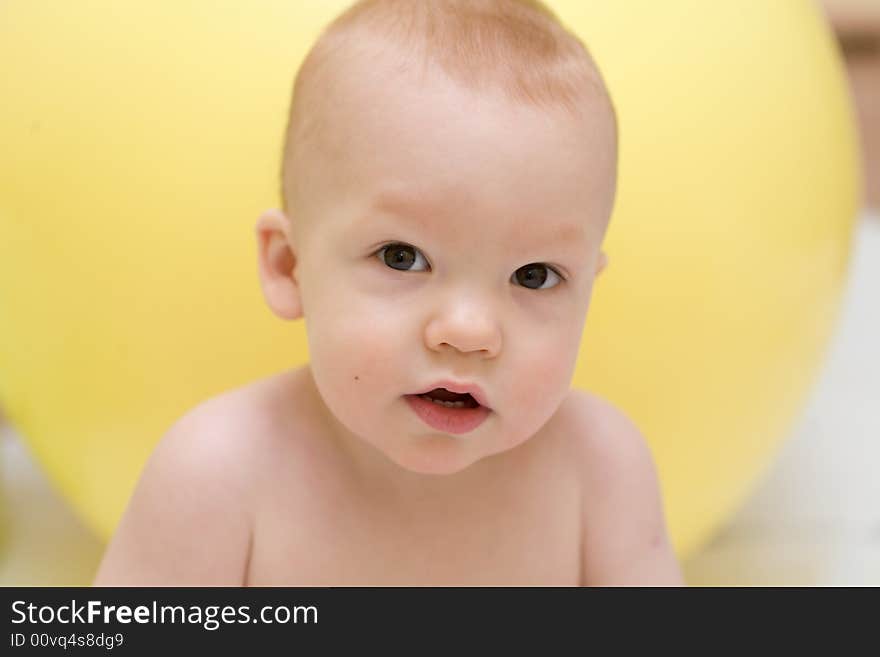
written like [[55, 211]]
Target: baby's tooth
[[450, 404]]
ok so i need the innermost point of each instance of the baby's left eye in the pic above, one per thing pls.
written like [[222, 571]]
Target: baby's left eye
[[400, 256], [535, 275]]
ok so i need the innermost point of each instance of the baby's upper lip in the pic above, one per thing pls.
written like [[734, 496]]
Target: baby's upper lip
[[461, 388]]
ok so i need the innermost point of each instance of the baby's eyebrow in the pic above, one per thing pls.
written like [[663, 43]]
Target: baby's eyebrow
[[402, 205], [567, 235]]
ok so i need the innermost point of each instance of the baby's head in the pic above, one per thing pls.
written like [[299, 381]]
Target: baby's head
[[448, 176]]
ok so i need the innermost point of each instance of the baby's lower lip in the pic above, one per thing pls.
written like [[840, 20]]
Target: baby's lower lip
[[445, 419]]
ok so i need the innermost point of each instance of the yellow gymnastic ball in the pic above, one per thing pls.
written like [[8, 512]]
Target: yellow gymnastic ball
[[141, 141]]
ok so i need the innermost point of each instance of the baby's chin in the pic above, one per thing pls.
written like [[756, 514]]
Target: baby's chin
[[442, 456]]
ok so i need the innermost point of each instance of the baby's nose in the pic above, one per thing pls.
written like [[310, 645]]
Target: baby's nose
[[466, 329]]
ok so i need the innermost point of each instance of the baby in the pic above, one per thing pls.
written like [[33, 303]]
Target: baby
[[449, 173]]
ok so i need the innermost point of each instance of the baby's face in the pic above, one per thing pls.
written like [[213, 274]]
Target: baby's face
[[456, 238]]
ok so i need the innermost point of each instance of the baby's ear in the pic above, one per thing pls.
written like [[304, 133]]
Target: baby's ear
[[601, 263], [276, 260]]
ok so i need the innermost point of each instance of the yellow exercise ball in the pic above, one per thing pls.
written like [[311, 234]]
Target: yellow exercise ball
[[140, 141]]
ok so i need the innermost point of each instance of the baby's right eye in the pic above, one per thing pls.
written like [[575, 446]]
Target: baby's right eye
[[400, 256]]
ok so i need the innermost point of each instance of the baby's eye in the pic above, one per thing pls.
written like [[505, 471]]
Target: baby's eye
[[535, 275], [400, 256], [403, 257]]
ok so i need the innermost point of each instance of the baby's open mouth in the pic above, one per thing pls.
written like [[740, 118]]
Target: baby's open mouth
[[455, 413], [444, 397]]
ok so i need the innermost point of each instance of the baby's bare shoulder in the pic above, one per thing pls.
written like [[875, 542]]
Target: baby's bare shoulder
[[244, 422], [190, 518], [608, 441], [625, 539]]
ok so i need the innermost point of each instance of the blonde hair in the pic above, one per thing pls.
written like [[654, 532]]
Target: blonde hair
[[516, 47]]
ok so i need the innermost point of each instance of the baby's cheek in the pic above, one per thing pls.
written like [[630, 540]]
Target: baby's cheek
[[351, 366], [541, 380], [360, 343]]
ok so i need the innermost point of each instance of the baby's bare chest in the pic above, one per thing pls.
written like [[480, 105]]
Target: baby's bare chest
[[519, 533]]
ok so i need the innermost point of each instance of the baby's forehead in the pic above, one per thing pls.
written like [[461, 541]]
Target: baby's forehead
[[451, 151], [381, 108], [390, 100]]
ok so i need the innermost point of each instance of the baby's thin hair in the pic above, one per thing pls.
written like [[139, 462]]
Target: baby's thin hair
[[516, 47]]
